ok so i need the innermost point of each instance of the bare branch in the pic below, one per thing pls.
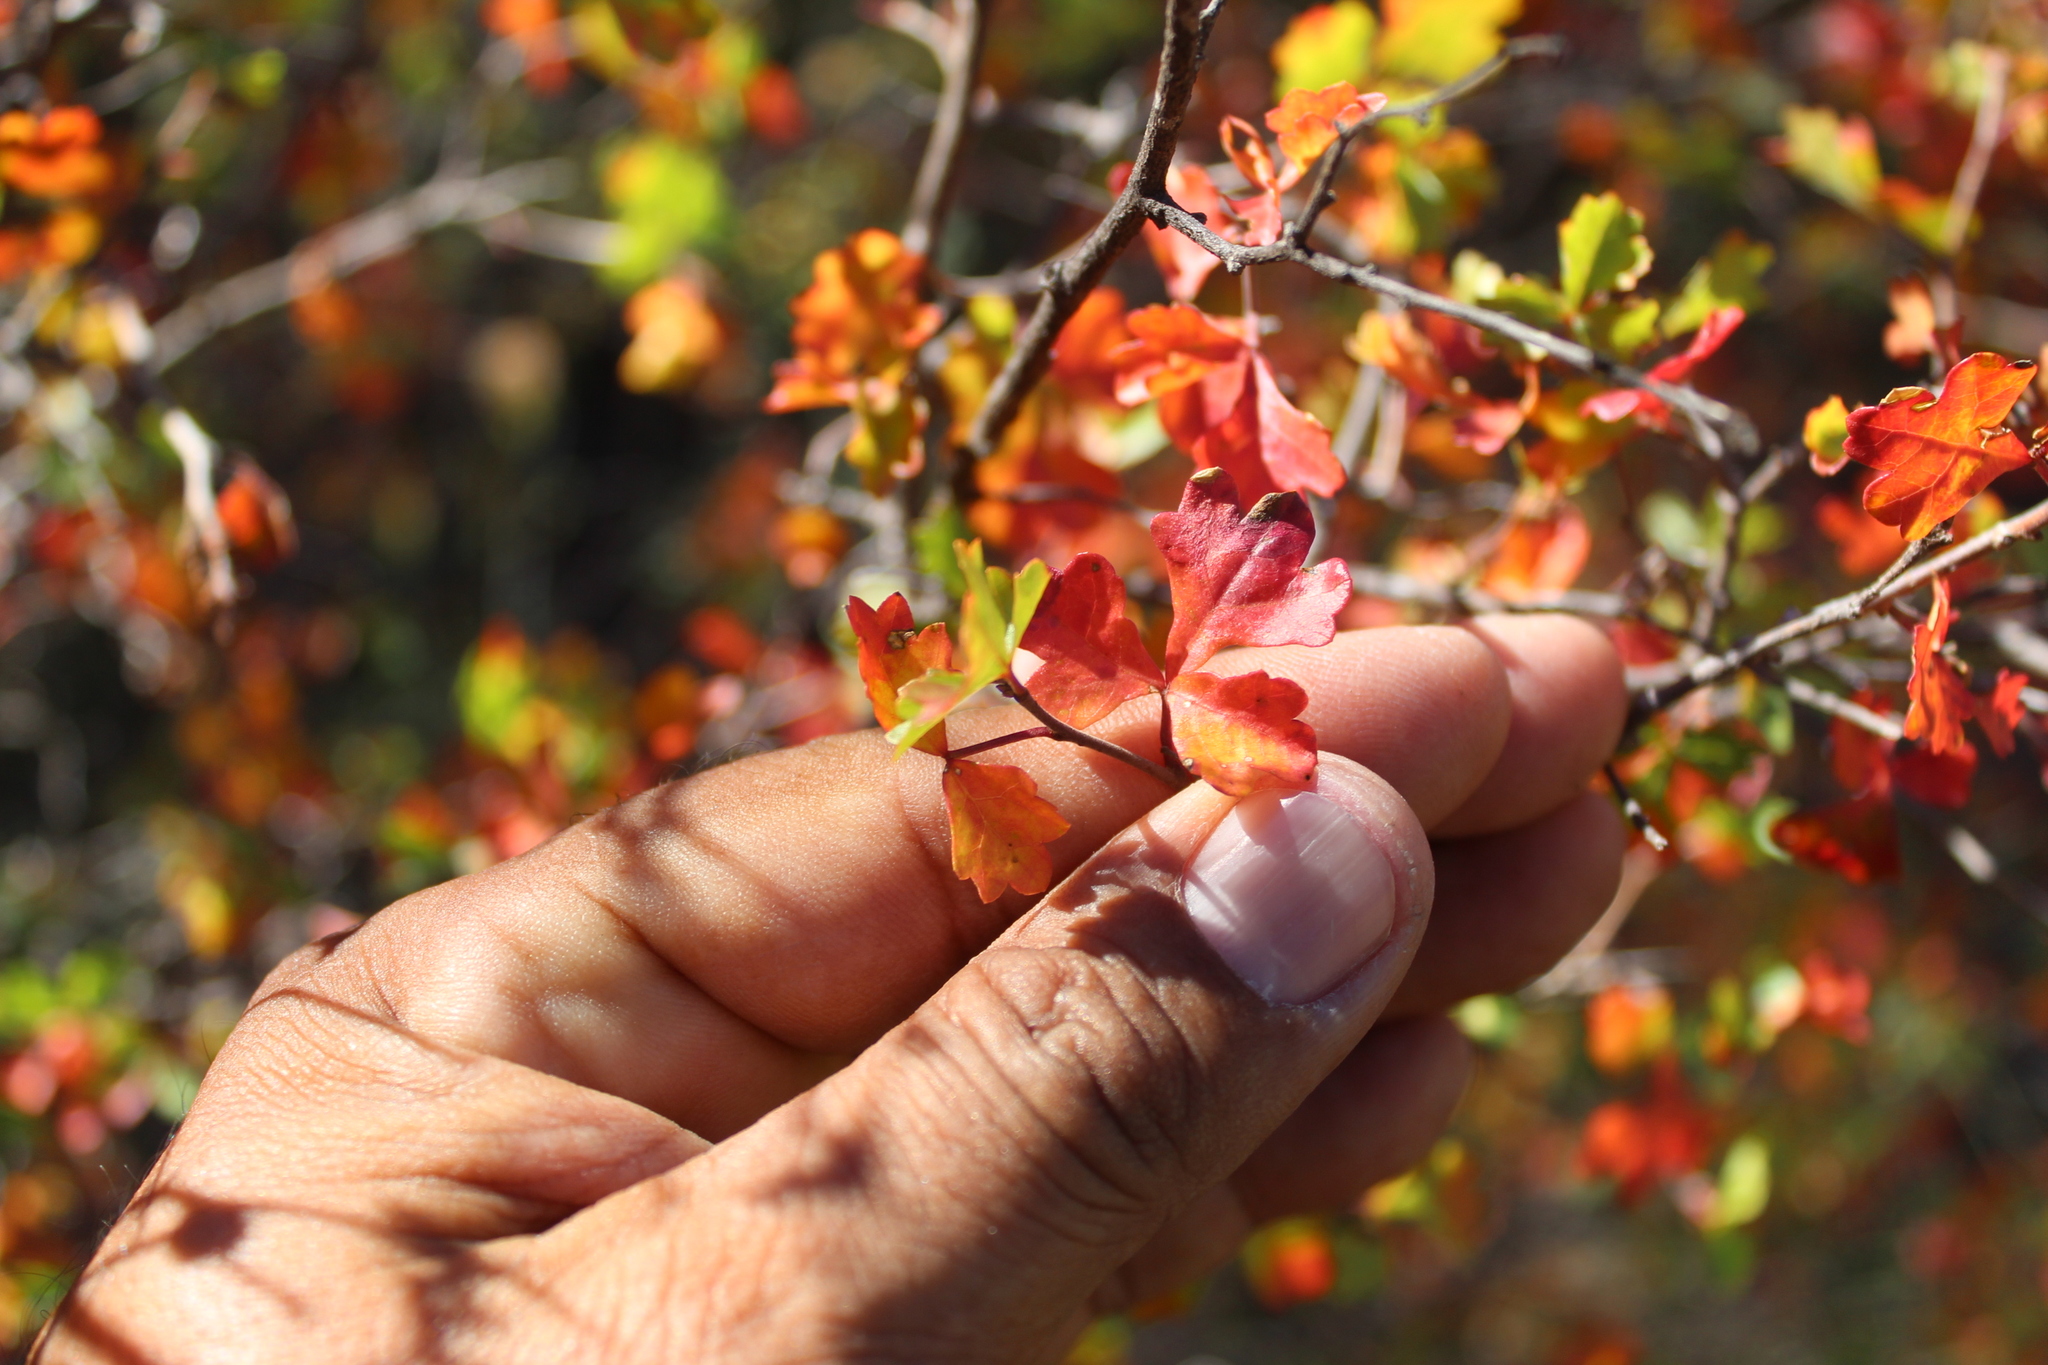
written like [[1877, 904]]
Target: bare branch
[[1633, 809], [1373, 581], [1889, 587], [1718, 430], [347, 247], [1841, 708], [959, 54], [1962, 199], [1069, 279]]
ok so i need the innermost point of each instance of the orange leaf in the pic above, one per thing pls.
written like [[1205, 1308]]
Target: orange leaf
[[1941, 700], [1220, 402], [1254, 161], [1094, 660], [1910, 333], [892, 655], [1860, 759], [1000, 827], [56, 156], [1539, 555], [1933, 453], [1237, 576], [1306, 122], [860, 317], [1858, 838], [2000, 710], [1083, 355], [1240, 735], [1863, 544]]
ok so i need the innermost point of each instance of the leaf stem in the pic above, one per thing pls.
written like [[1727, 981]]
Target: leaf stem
[[1059, 729], [1035, 732]]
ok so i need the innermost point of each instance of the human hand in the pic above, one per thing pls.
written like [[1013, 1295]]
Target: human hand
[[738, 1071]]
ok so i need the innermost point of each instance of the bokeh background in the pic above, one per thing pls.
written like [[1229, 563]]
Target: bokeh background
[[385, 484]]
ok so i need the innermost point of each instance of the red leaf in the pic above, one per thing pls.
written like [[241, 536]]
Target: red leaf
[[1239, 734], [890, 656], [1939, 779], [1858, 838], [1219, 401], [1254, 161], [1083, 356], [1616, 404], [1307, 122], [1861, 759], [1094, 660], [2000, 710], [1941, 700], [1933, 454], [1237, 576], [1836, 997], [1000, 826]]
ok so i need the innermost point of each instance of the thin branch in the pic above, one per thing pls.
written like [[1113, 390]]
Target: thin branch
[[1035, 732], [1895, 583], [1962, 199], [1069, 279], [347, 247], [1718, 430], [1633, 809], [198, 453], [1059, 729], [964, 36], [1373, 581], [1323, 190], [1841, 708]]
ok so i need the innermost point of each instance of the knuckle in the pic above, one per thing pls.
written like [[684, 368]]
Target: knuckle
[[1108, 1082]]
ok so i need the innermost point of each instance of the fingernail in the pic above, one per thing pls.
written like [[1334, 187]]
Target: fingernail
[[1292, 892]]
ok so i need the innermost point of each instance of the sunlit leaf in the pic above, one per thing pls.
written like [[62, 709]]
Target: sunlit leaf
[[892, 652], [1000, 827], [1240, 734], [1441, 40], [1307, 122], [1731, 277], [1825, 429], [1322, 45], [1600, 249], [1094, 660], [1935, 453], [1857, 839], [1238, 576], [1835, 155]]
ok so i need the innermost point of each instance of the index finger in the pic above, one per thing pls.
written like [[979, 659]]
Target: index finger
[[706, 948]]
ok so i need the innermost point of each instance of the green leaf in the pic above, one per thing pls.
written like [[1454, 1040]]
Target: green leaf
[[1623, 327], [1441, 40], [668, 199], [1324, 44], [995, 609], [1600, 249], [1836, 156], [1733, 275], [1744, 1189], [1530, 299], [931, 547]]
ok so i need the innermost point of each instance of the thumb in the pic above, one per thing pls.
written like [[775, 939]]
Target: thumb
[[960, 1189]]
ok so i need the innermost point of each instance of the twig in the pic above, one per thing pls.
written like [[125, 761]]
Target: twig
[[1372, 581], [1059, 729], [1035, 732], [1841, 708], [1633, 809], [197, 453], [959, 54], [1323, 190], [1902, 578], [1069, 279], [1718, 430], [1962, 199], [348, 247]]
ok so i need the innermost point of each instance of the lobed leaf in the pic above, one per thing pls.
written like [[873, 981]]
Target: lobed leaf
[[1093, 658], [1237, 576], [892, 653], [1825, 429], [1240, 734], [1934, 453], [995, 611], [1000, 827], [1306, 122], [1941, 700], [1600, 249]]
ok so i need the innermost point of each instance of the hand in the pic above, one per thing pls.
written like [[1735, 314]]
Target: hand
[[738, 1071]]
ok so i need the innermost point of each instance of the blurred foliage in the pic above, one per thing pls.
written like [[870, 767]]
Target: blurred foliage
[[386, 485]]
